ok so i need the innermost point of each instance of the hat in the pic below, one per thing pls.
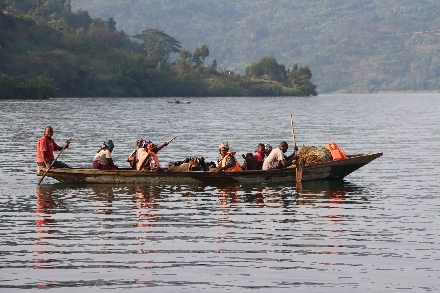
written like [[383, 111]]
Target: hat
[[224, 145]]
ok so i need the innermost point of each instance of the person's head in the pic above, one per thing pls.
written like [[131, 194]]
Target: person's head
[[108, 145], [48, 131], [261, 149], [152, 147], [144, 143], [267, 148], [139, 143], [249, 156], [223, 148], [283, 146]]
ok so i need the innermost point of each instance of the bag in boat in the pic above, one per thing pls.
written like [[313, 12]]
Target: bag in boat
[[336, 152], [190, 164], [309, 155]]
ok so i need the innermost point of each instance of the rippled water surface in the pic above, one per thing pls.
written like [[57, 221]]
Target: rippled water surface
[[377, 230]]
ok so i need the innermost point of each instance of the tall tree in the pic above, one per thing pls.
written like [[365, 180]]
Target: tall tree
[[111, 24], [67, 6], [184, 53], [38, 10], [299, 77], [254, 70], [204, 52], [270, 68], [158, 44]]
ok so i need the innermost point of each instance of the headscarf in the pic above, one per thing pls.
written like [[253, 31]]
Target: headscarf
[[267, 147], [224, 145], [107, 143], [145, 143]]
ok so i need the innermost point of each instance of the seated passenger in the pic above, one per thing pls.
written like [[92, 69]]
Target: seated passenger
[[276, 158], [147, 158], [250, 163], [260, 154], [267, 149], [133, 157], [103, 158], [228, 162]]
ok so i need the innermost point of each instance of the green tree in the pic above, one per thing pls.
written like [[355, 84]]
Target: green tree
[[200, 53], [204, 52], [184, 53], [299, 78], [158, 44], [196, 58], [214, 64], [254, 70], [67, 6], [111, 24], [270, 68], [38, 8]]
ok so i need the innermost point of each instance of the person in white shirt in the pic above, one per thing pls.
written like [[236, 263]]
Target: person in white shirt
[[276, 158], [103, 158]]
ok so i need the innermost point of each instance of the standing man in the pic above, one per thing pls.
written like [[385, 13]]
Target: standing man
[[276, 158], [46, 146]]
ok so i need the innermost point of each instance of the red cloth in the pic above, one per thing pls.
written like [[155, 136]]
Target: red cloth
[[46, 145], [258, 157], [101, 166]]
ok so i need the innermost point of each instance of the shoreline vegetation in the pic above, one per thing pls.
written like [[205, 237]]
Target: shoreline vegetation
[[50, 51]]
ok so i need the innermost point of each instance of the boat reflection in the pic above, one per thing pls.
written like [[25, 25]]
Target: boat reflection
[[45, 224]]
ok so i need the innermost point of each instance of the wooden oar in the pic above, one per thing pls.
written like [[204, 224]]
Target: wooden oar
[[293, 131], [53, 162], [298, 166]]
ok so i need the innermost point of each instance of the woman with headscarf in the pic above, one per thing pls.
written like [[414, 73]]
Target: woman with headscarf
[[147, 158], [267, 149], [228, 162], [103, 158]]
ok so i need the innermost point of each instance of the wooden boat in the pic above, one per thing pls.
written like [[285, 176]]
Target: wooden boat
[[179, 102], [326, 170]]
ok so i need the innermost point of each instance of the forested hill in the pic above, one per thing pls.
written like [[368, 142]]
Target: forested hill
[[350, 45]]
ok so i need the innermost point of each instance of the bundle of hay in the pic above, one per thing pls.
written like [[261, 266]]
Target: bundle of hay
[[309, 155]]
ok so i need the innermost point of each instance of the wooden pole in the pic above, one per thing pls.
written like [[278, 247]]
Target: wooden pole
[[298, 166], [53, 162]]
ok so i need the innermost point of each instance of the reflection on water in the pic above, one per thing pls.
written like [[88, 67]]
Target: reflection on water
[[377, 230]]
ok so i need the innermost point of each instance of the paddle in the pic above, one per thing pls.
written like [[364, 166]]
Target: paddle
[[298, 166], [53, 162], [164, 144]]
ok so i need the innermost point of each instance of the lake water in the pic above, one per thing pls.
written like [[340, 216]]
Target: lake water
[[377, 230]]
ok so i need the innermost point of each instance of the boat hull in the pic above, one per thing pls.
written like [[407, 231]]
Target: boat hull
[[327, 170]]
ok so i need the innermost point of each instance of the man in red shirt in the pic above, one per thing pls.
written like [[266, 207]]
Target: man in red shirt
[[46, 146]]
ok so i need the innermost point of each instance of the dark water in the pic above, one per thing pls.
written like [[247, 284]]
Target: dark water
[[377, 230]]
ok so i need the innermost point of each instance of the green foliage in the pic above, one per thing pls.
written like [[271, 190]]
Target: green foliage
[[40, 87], [299, 79], [344, 42], [85, 57], [158, 44], [80, 19]]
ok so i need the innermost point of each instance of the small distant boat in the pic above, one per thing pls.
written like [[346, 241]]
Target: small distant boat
[[321, 171], [179, 102]]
